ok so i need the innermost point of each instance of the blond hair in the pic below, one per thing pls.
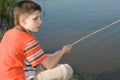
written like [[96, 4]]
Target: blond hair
[[24, 8]]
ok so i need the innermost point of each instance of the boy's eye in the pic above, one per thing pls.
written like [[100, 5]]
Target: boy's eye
[[35, 18]]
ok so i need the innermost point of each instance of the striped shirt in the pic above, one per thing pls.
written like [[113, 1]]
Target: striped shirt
[[15, 47], [34, 53]]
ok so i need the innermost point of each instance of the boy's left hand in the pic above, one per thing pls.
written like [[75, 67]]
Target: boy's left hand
[[67, 48]]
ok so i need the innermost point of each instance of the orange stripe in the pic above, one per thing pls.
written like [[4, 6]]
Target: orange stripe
[[33, 58], [32, 51], [30, 46], [39, 61], [31, 42]]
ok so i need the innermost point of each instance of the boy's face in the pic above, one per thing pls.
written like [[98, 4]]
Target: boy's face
[[33, 22]]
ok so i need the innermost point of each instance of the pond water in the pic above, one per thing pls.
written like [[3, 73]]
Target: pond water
[[66, 21]]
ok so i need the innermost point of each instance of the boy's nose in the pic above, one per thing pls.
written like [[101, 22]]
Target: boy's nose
[[40, 21]]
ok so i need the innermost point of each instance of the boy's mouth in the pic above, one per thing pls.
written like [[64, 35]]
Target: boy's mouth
[[38, 26]]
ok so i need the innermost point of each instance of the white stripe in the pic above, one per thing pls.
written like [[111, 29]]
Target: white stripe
[[35, 54], [37, 59], [31, 49], [31, 44]]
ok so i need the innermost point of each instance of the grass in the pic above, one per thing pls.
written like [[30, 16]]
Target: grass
[[82, 76], [75, 77], [0, 35]]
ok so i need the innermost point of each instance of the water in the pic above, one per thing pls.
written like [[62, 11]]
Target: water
[[66, 21]]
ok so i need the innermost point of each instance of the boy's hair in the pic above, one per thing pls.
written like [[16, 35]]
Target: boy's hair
[[24, 8]]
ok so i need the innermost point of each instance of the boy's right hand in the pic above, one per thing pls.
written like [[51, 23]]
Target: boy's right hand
[[66, 49]]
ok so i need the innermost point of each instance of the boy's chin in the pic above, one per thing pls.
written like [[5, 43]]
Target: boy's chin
[[35, 30]]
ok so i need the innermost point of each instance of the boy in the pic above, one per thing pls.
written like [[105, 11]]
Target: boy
[[19, 46]]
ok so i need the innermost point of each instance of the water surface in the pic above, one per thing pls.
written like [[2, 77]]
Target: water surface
[[66, 21]]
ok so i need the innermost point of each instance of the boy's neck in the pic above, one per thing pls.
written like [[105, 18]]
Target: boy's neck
[[21, 28]]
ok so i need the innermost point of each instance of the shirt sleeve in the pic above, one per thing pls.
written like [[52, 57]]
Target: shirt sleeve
[[34, 53]]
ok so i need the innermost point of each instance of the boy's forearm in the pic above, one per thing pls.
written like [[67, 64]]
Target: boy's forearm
[[53, 59]]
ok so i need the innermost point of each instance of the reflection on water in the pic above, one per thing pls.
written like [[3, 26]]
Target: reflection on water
[[67, 21]]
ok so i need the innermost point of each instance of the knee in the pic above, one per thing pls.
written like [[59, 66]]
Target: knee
[[67, 71], [60, 72]]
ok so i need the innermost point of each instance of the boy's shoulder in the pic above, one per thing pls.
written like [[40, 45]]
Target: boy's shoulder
[[16, 34]]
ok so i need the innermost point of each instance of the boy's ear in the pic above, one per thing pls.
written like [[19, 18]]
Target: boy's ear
[[22, 20]]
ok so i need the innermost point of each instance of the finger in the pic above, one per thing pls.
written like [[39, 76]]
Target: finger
[[68, 44]]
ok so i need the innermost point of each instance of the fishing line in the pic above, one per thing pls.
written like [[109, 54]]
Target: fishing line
[[90, 34]]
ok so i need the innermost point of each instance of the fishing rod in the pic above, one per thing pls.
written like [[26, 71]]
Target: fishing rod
[[90, 34]]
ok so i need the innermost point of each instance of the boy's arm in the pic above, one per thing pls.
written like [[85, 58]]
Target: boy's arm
[[53, 59]]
